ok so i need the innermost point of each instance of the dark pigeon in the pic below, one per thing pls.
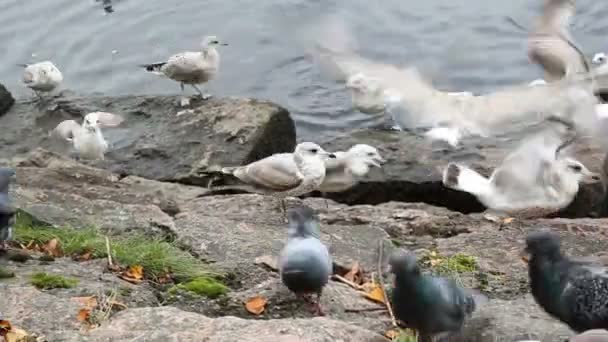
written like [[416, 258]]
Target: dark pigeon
[[305, 264], [573, 291], [434, 306], [7, 211]]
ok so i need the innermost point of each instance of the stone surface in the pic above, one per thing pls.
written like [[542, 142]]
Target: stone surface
[[6, 100], [158, 139], [414, 167]]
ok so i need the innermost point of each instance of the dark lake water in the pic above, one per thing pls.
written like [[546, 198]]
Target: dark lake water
[[461, 45]]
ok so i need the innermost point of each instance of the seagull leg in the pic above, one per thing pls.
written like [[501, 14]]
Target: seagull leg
[[326, 202], [203, 96]]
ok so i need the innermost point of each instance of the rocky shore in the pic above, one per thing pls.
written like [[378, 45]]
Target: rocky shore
[[153, 183]]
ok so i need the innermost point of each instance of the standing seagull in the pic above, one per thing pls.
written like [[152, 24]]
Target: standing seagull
[[573, 291], [304, 263], [275, 174], [551, 45], [431, 305], [41, 77], [534, 179], [87, 139], [191, 67], [7, 211]]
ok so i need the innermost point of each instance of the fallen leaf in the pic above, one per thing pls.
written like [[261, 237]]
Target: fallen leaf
[[268, 261], [375, 293], [392, 334], [354, 274], [164, 278], [256, 305], [83, 315], [17, 335], [88, 302], [86, 256], [5, 327], [508, 220], [135, 274], [52, 248]]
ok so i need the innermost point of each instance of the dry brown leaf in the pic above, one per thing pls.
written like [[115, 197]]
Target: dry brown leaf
[[52, 248], [375, 293], [86, 256], [508, 220], [83, 315], [87, 302], [354, 274], [17, 335], [135, 274], [256, 305], [5, 327], [392, 334]]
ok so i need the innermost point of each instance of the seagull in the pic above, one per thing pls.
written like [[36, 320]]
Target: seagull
[[191, 67], [87, 139], [536, 179], [550, 43], [275, 175], [41, 77], [348, 168], [305, 263]]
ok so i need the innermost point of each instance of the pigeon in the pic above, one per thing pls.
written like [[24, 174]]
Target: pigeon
[[87, 139], [7, 211], [536, 179], [276, 176], [191, 67], [304, 263], [432, 305], [41, 77], [573, 291]]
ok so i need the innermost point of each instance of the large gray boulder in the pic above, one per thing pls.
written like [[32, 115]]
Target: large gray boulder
[[160, 140], [6, 100]]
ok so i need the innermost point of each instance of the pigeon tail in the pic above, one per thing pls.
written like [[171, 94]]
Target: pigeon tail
[[465, 179], [474, 301]]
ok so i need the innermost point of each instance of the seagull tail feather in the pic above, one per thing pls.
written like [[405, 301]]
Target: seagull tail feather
[[464, 179], [22, 65], [153, 67]]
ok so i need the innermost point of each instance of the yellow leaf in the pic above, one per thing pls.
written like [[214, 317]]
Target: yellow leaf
[[256, 305], [354, 274], [53, 248], [135, 274], [5, 326], [507, 220], [375, 293], [392, 334], [88, 302], [17, 335], [83, 315]]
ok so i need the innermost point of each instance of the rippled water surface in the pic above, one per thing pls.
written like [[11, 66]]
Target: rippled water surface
[[461, 45]]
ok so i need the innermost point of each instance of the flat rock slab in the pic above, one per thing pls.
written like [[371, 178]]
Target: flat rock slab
[[159, 140]]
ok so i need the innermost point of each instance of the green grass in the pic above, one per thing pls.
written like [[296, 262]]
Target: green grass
[[455, 264], [406, 335], [202, 286], [155, 255], [47, 281]]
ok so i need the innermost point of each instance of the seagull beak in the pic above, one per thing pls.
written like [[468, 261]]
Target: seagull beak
[[591, 177], [224, 44], [378, 161]]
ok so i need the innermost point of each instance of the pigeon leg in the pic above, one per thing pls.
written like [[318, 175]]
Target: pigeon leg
[[317, 306]]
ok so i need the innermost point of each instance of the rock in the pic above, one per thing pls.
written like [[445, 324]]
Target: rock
[[414, 168], [171, 324], [156, 142], [6, 100]]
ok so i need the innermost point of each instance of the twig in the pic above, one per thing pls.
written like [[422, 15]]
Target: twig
[[381, 281], [108, 251], [348, 282], [515, 23], [382, 308]]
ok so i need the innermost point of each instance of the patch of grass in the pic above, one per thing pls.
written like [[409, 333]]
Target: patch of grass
[[155, 255], [406, 335], [457, 263], [5, 274], [47, 281], [202, 286]]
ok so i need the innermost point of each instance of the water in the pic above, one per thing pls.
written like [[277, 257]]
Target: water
[[461, 46]]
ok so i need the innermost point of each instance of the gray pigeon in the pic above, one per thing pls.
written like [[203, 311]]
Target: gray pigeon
[[573, 291], [7, 211], [305, 264], [432, 305]]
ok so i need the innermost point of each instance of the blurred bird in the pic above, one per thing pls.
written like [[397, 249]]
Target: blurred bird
[[7, 211], [304, 263], [595, 335], [348, 168], [573, 291], [41, 77], [87, 139], [431, 305], [191, 67]]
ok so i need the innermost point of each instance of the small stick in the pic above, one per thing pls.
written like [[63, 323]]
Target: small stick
[[108, 251], [347, 282], [515, 23], [382, 308], [381, 281]]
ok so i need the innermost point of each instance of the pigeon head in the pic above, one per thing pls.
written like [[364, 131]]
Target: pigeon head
[[599, 58], [6, 175], [367, 154], [543, 243], [403, 263], [302, 222]]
